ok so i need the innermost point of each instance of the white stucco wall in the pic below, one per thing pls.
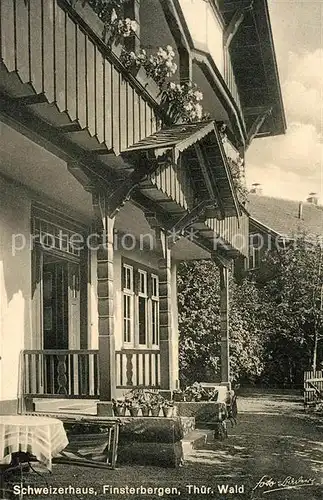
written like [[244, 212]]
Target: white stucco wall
[[205, 28], [15, 285]]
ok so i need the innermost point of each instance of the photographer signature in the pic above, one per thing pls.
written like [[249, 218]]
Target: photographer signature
[[267, 484]]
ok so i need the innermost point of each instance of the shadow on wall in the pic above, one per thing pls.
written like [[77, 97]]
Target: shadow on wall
[[15, 284]]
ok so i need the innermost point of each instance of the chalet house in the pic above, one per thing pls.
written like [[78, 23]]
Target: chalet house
[[104, 188], [275, 222]]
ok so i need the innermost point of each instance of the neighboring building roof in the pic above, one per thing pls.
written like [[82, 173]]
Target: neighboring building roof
[[282, 216]]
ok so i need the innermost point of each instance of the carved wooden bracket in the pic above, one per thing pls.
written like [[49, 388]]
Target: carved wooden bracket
[[99, 209], [192, 216], [221, 261], [123, 191], [234, 24], [255, 127], [85, 179]]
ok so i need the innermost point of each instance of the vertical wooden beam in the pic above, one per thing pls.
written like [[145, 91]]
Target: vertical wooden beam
[[106, 312], [224, 323], [165, 314], [132, 10], [234, 24], [185, 65]]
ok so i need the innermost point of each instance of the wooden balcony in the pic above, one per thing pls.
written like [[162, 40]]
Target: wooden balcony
[[55, 62], [67, 87]]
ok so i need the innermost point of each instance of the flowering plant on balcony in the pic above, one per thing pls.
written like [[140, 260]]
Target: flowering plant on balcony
[[158, 66], [183, 102], [236, 168], [111, 13], [123, 27], [105, 8]]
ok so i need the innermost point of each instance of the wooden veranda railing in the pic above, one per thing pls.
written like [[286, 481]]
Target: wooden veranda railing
[[74, 374], [136, 367], [313, 385], [60, 373]]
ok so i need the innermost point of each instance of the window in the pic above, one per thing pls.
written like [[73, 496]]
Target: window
[[254, 257], [128, 295], [155, 309], [54, 237], [255, 246], [140, 307]]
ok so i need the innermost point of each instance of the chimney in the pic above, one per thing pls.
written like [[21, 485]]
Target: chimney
[[256, 188], [313, 198], [300, 210]]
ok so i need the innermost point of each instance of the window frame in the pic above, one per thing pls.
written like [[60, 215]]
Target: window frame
[[154, 301], [143, 288], [130, 293]]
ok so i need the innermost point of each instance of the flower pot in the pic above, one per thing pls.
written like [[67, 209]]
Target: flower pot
[[155, 411], [168, 411], [178, 397], [145, 411], [119, 411], [134, 412]]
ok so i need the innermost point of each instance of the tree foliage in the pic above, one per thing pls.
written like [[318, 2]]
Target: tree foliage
[[199, 325], [293, 309], [275, 326]]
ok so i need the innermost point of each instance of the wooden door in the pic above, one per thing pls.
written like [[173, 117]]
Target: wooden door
[[55, 305], [73, 306]]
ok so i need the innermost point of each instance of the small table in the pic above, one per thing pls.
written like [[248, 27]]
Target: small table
[[41, 437]]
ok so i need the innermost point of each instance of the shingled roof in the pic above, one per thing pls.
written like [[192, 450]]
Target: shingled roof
[[282, 216]]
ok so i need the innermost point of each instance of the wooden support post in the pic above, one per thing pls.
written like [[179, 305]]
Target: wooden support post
[[132, 10], [224, 323], [234, 24], [185, 65], [167, 381], [106, 312]]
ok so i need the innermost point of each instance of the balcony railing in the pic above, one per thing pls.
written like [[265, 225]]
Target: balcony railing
[[54, 55]]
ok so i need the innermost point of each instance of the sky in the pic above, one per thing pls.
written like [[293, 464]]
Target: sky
[[291, 166]]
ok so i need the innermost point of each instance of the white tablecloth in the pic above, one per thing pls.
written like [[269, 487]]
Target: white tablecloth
[[40, 436]]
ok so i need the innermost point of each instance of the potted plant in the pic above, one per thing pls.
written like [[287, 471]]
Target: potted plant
[[134, 408], [137, 400], [145, 409], [178, 395], [194, 392], [119, 407], [168, 408], [155, 404]]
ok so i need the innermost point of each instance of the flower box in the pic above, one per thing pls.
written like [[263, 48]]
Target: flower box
[[87, 14], [116, 48], [146, 82]]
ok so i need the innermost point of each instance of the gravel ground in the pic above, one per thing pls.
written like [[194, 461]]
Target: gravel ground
[[274, 453]]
